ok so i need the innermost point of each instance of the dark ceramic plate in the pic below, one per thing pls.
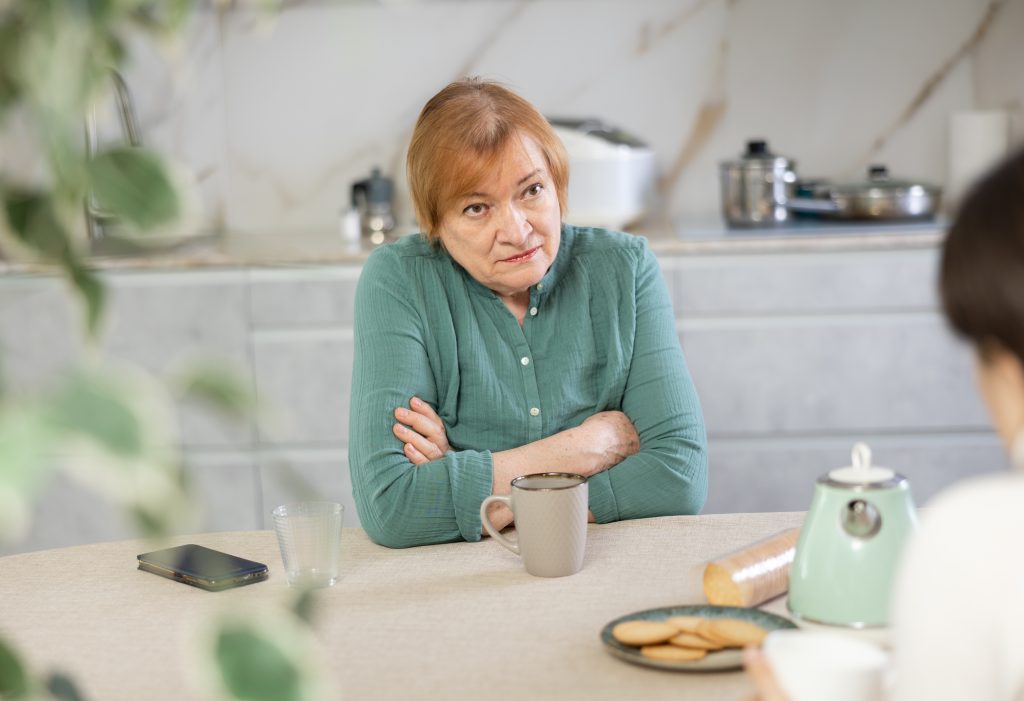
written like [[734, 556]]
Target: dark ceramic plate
[[718, 661]]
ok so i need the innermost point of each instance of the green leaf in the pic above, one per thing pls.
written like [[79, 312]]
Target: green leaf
[[26, 461], [60, 686], [159, 517], [302, 607], [221, 387], [26, 442], [148, 523], [254, 669], [34, 222], [89, 406], [132, 184], [10, 90], [91, 292], [163, 16], [14, 681]]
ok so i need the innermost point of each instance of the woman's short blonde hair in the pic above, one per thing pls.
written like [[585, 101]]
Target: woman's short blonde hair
[[461, 133]]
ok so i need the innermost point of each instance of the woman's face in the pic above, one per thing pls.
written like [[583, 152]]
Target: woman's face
[[1001, 382], [506, 232]]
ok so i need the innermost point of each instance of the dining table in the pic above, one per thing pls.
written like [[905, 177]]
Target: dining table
[[450, 621]]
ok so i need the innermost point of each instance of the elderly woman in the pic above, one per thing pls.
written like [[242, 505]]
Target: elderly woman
[[958, 610], [502, 341]]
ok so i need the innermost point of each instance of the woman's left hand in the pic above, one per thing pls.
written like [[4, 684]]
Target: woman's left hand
[[761, 674], [422, 431]]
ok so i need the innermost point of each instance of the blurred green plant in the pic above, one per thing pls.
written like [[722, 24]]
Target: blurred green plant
[[52, 89], [108, 425], [267, 658]]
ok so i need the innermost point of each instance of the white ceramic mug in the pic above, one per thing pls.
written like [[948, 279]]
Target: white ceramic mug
[[813, 665], [550, 511]]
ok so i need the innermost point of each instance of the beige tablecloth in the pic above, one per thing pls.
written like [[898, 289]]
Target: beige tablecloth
[[457, 621]]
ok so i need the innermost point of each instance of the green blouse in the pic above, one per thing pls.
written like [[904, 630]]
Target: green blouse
[[599, 335]]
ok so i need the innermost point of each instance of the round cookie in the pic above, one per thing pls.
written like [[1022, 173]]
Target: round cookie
[[732, 632], [639, 633], [686, 624], [695, 642], [672, 653]]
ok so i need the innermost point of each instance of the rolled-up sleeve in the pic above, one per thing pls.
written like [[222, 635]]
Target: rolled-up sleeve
[[668, 476], [400, 504]]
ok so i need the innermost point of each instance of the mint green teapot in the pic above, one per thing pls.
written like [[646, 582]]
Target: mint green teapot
[[850, 544]]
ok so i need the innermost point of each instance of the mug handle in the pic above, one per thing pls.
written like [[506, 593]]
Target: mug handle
[[489, 527]]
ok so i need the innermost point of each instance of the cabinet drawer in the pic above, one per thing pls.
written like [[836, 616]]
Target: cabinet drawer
[[831, 374], [803, 283]]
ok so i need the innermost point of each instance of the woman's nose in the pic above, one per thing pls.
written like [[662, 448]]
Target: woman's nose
[[513, 225]]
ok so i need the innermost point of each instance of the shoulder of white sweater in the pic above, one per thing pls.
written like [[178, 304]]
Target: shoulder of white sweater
[[987, 498]]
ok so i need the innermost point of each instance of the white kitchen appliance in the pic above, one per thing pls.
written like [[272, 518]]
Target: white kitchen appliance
[[612, 175]]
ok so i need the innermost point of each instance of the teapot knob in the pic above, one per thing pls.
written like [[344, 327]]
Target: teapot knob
[[860, 456], [861, 519]]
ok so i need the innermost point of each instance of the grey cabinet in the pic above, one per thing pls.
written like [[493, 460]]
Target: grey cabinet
[[798, 355]]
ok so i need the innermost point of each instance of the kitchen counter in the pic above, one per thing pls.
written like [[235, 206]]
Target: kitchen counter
[[680, 239]]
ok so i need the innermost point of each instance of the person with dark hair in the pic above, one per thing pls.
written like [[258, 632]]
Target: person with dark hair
[[502, 341], [958, 602]]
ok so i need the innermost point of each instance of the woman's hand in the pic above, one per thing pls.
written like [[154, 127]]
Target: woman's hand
[[613, 434], [422, 432], [760, 672]]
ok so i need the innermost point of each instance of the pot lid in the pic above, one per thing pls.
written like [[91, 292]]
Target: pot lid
[[758, 154], [861, 472], [880, 184], [757, 149]]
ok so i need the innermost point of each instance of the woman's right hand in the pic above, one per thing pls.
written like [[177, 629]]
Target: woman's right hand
[[421, 431], [613, 435]]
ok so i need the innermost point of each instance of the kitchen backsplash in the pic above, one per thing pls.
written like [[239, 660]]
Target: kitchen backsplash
[[278, 115]]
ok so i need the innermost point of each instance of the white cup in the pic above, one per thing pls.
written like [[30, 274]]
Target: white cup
[[817, 666], [550, 511]]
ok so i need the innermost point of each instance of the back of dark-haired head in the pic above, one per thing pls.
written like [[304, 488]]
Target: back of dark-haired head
[[982, 273]]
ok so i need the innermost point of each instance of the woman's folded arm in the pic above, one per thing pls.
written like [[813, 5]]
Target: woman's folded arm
[[668, 475]]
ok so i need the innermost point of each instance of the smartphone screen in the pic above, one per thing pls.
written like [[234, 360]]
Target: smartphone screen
[[202, 567]]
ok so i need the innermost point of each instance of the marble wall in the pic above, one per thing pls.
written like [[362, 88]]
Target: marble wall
[[278, 115]]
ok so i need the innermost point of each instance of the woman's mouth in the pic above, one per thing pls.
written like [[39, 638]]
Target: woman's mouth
[[522, 257]]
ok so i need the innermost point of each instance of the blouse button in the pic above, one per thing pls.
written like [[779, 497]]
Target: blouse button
[[534, 411], [524, 360], [540, 285], [533, 311]]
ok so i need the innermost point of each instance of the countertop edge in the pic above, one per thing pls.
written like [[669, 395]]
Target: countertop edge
[[241, 252]]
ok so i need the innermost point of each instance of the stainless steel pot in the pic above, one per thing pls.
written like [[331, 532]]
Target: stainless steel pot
[[879, 198], [756, 187]]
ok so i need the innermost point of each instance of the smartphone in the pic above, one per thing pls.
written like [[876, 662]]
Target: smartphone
[[202, 567]]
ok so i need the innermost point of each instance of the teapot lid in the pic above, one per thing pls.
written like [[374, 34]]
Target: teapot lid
[[862, 472]]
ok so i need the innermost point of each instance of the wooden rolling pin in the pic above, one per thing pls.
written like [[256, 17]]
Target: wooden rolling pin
[[754, 574]]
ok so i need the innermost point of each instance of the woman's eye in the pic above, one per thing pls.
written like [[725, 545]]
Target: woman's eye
[[475, 210], [534, 190]]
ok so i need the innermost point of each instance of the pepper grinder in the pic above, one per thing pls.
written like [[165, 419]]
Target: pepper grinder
[[372, 199]]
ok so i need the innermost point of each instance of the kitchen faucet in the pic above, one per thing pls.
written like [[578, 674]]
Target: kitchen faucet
[[94, 216]]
